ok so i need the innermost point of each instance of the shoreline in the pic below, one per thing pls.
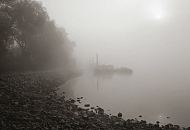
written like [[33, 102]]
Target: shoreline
[[29, 101]]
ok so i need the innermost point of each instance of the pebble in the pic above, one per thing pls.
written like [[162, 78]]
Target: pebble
[[87, 105], [38, 107], [119, 114]]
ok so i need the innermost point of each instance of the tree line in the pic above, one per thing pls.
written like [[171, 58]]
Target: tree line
[[29, 40]]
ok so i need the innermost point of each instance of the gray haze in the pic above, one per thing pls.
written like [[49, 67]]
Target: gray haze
[[149, 36], [134, 30]]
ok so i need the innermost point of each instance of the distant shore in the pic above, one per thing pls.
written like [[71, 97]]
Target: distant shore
[[29, 101]]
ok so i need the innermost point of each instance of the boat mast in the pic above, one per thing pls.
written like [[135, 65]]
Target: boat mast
[[97, 62]]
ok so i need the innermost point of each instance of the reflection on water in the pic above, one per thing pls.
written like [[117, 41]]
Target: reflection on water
[[134, 95]]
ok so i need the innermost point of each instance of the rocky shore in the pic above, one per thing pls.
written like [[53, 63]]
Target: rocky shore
[[28, 101]]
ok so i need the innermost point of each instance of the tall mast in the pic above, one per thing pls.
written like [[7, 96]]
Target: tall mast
[[97, 59]]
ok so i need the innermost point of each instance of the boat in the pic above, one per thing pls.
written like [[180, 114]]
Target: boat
[[109, 69]]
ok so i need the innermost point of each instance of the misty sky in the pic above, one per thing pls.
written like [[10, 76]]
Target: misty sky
[[126, 32]]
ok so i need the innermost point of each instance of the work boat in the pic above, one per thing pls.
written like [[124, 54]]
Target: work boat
[[109, 69], [104, 69]]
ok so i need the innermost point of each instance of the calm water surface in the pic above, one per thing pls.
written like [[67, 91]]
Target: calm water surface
[[154, 95]]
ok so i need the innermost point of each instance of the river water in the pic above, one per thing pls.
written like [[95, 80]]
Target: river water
[[156, 95], [158, 89]]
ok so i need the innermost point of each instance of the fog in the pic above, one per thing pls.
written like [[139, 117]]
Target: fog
[[132, 30], [149, 36]]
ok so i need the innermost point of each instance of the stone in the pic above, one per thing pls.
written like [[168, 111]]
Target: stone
[[87, 105], [119, 114]]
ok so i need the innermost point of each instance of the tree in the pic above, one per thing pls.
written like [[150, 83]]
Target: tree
[[26, 27]]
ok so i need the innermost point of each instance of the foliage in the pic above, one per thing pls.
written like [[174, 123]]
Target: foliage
[[29, 39]]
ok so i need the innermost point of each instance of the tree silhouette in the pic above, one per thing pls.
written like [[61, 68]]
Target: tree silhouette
[[29, 39]]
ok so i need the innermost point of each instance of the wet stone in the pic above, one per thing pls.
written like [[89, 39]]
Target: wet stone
[[31, 102], [87, 105], [100, 111], [72, 101], [119, 114]]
